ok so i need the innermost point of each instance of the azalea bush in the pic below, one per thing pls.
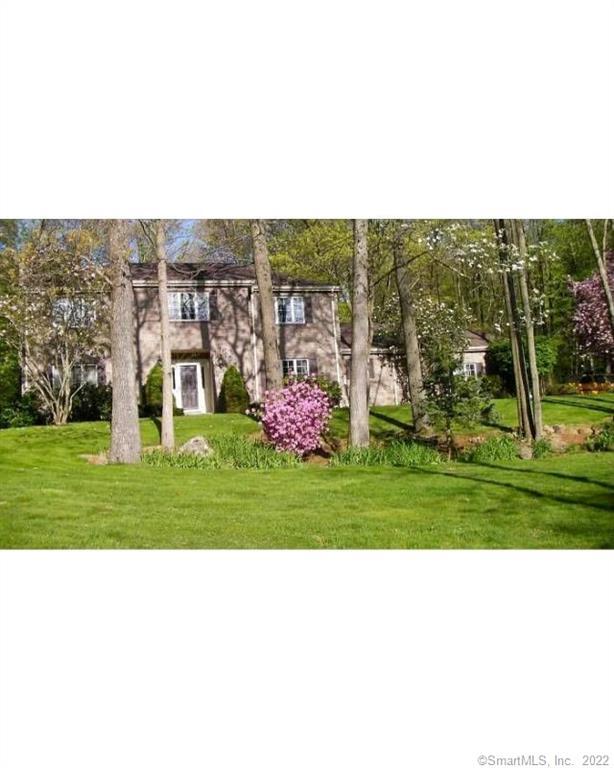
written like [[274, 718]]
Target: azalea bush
[[295, 417]]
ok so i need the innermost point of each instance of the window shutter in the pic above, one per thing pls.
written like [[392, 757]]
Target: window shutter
[[313, 366], [213, 310], [371, 368], [308, 309]]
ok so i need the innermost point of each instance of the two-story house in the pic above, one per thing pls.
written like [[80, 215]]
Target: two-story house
[[215, 323]]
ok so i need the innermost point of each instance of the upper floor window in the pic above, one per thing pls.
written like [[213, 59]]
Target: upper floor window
[[188, 305], [295, 367], [75, 313], [84, 373], [290, 309]]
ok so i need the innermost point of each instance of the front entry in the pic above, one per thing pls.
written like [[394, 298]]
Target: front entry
[[188, 387]]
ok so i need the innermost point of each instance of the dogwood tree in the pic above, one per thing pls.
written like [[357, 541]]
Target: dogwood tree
[[53, 310]]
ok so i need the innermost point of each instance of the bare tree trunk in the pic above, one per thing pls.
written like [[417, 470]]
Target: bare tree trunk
[[272, 363], [520, 382], [528, 317], [412, 349], [359, 376], [603, 267], [125, 435], [168, 431]]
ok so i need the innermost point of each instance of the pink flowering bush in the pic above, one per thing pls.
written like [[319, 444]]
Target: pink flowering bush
[[294, 418], [591, 320]]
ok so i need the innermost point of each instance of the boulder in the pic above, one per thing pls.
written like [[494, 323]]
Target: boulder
[[548, 430], [197, 446], [584, 431], [525, 451], [558, 444], [558, 428]]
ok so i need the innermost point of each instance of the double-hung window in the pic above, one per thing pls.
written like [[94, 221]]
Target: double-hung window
[[290, 310], [188, 305], [84, 373], [295, 367]]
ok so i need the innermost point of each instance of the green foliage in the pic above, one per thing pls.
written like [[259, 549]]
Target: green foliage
[[229, 452], [397, 454], [234, 397], [330, 387], [493, 385], [152, 393], [503, 448], [92, 403], [499, 359], [491, 415], [10, 377], [541, 448], [24, 412], [604, 439]]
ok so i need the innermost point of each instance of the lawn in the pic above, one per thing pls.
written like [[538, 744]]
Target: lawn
[[51, 497]]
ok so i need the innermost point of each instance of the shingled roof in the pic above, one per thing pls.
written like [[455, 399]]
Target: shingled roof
[[211, 272]]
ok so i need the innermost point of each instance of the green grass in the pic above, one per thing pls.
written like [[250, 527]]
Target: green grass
[[51, 497]]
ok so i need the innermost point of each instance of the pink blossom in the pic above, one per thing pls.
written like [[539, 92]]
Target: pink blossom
[[295, 417]]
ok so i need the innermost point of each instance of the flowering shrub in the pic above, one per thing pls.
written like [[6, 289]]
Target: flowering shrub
[[295, 417], [591, 321]]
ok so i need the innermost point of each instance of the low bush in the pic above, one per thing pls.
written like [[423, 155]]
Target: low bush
[[230, 452], [295, 418], [92, 403], [25, 412], [233, 392], [329, 386], [541, 448], [603, 440], [152, 394], [503, 448], [568, 388], [396, 454]]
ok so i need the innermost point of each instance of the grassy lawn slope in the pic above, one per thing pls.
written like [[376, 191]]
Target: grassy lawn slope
[[51, 497]]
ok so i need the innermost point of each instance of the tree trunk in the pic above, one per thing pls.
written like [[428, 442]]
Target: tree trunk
[[528, 317], [603, 267], [412, 348], [167, 431], [125, 435], [520, 379], [272, 363], [359, 375]]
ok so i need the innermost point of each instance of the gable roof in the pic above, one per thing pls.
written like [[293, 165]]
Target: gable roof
[[213, 272], [475, 340]]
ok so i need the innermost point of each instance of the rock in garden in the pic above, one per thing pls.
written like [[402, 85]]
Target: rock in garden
[[197, 446], [548, 430], [558, 428], [525, 451]]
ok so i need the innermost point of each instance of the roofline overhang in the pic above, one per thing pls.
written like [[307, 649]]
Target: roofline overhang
[[288, 287]]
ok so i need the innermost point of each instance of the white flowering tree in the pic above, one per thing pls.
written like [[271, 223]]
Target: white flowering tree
[[53, 309]]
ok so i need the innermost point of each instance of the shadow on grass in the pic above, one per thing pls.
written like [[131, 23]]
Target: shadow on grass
[[584, 502], [582, 403], [390, 420], [158, 424], [559, 475]]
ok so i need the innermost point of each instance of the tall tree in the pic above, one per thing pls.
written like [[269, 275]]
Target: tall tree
[[262, 264], [600, 256], [168, 431], [529, 327], [125, 434], [410, 337], [359, 376], [520, 373]]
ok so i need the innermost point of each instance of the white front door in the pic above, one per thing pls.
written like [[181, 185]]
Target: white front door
[[188, 387]]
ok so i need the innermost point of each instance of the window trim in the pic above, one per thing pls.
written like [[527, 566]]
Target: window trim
[[293, 321], [194, 293], [295, 360]]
